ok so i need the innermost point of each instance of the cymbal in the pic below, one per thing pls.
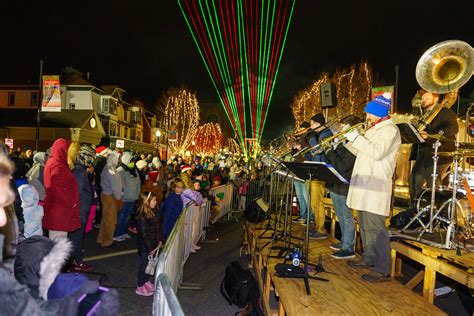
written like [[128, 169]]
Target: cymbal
[[441, 138], [466, 146], [459, 152]]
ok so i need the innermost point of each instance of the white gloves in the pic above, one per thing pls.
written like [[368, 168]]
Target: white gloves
[[352, 134]]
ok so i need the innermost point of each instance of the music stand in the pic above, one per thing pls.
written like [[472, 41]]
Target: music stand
[[310, 170]]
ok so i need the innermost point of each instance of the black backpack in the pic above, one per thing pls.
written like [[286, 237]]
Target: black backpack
[[239, 287]]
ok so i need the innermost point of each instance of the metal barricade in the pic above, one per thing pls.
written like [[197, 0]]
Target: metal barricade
[[189, 227], [169, 304], [225, 205]]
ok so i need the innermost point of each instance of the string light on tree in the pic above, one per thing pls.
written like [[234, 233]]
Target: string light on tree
[[208, 139], [181, 115], [353, 92]]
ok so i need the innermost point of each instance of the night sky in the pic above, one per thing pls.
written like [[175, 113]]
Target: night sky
[[146, 48]]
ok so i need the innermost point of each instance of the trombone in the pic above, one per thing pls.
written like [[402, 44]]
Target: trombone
[[333, 140]]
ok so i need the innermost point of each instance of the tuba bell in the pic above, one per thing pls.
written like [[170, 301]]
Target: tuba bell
[[444, 69]]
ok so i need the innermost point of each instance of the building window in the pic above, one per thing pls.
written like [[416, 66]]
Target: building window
[[125, 132], [11, 98], [113, 129], [105, 105], [135, 117], [34, 99]]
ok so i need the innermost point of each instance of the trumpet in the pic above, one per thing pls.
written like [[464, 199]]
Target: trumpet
[[333, 140]]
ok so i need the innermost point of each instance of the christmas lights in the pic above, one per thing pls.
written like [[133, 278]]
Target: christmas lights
[[353, 92], [208, 139], [181, 117]]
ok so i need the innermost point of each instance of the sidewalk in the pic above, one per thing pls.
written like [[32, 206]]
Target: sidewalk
[[205, 267]]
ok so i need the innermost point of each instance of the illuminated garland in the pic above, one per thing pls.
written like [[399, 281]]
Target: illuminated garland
[[181, 115], [208, 139], [241, 44], [353, 88]]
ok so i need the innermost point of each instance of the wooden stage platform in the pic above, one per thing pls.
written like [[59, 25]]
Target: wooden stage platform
[[345, 293]]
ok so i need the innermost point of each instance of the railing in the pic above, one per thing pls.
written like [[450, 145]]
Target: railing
[[189, 228], [225, 205], [169, 304]]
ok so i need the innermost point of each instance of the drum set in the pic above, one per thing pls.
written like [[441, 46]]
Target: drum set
[[444, 212]]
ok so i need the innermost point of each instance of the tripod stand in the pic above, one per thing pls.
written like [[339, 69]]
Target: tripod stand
[[310, 171]]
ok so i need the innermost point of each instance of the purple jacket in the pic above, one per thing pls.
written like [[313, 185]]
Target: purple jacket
[[189, 195]]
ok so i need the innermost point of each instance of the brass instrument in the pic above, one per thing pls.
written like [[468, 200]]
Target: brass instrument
[[332, 140], [443, 69]]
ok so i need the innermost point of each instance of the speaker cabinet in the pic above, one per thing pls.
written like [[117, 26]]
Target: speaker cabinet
[[328, 95]]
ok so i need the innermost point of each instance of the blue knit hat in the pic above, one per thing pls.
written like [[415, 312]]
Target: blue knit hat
[[380, 105]]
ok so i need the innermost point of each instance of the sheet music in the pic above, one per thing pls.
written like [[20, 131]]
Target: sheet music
[[331, 168], [291, 175]]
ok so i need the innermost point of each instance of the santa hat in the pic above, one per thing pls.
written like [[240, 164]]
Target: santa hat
[[101, 150], [185, 168], [380, 105]]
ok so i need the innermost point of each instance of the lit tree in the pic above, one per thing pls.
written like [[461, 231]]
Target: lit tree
[[181, 116], [232, 146], [208, 139], [353, 92]]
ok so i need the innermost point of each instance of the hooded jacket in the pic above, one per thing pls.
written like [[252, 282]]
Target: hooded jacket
[[32, 211], [110, 181], [61, 204], [36, 174], [39, 261], [131, 183]]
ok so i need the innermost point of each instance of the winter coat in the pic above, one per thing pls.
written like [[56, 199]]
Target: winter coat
[[38, 261], [36, 174], [149, 233], [110, 182], [189, 195], [313, 140], [343, 161], [99, 164], [61, 204], [445, 121], [32, 211], [131, 184], [371, 183], [171, 210], [86, 191]]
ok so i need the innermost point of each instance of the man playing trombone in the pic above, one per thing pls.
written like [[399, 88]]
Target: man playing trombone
[[319, 133], [370, 187]]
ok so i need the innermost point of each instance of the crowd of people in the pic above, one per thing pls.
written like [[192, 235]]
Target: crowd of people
[[71, 189]]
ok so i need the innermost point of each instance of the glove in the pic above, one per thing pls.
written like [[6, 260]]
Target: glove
[[352, 134]]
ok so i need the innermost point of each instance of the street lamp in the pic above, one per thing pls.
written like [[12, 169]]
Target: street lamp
[[158, 135]]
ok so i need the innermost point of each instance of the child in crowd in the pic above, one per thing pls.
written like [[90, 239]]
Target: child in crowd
[[149, 239], [173, 206], [32, 211], [242, 191]]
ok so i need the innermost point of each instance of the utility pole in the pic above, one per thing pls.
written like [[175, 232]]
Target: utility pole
[[40, 102]]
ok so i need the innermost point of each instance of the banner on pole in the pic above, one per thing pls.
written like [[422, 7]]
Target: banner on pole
[[51, 94], [376, 91]]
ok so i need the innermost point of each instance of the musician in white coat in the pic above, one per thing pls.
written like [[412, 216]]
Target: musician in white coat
[[371, 186]]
